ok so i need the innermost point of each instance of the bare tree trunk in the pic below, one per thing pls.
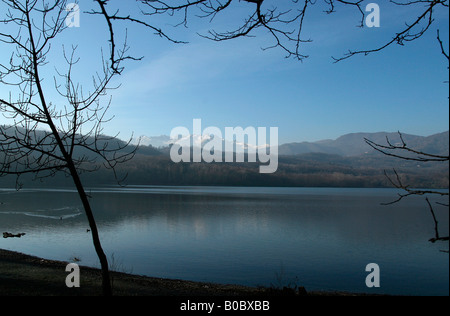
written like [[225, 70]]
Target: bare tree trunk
[[34, 24], [106, 285], [106, 281]]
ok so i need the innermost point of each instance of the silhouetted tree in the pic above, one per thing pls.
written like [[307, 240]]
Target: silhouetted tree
[[44, 137], [283, 22]]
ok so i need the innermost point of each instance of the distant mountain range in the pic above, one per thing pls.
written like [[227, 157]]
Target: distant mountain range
[[347, 161], [354, 144], [164, 141], [154, 141], [348, 145]]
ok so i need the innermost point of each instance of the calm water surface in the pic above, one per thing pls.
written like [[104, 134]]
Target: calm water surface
[[318, 238]]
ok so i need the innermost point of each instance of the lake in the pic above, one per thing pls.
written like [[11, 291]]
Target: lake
[[319, 238]]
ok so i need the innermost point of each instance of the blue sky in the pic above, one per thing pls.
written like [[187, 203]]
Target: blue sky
[[236, 83]]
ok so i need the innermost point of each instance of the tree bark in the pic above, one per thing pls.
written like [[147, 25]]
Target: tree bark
[[106, 281]]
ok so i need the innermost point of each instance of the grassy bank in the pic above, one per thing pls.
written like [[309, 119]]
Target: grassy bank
[[25, 275]]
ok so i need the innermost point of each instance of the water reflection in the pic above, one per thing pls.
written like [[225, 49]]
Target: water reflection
[[322, 237]]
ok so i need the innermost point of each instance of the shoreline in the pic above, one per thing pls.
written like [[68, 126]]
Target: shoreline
[[26, 275]]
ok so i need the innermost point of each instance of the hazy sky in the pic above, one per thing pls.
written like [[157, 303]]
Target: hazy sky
[[236, 83]]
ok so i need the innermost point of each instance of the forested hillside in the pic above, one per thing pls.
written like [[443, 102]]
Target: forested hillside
[[153, 166]]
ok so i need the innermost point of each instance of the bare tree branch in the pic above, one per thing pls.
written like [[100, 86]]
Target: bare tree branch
[[418, 155], [397, 183], [285, 26], [408, 153], [436, 225], [412, 32]]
